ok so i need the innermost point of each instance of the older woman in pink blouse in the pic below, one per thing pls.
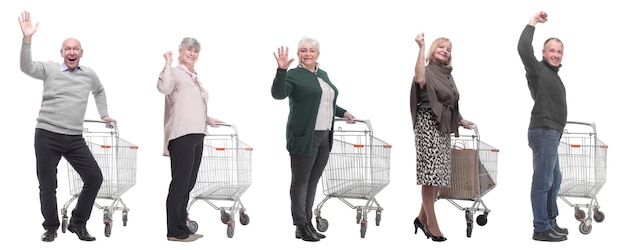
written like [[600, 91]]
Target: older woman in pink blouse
[[185, 125]]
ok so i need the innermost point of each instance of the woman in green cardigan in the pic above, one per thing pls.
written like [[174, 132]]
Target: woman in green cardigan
[[312, 108]]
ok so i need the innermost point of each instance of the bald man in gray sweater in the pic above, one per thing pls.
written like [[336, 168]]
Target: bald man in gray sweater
[[66, 89]]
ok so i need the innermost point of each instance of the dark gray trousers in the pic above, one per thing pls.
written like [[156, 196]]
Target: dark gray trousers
[[185, 159], [305, 175]]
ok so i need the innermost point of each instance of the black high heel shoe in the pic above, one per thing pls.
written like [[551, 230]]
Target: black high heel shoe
[[419, 225], [438, 238]]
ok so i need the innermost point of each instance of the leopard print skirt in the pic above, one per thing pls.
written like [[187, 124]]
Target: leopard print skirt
[[433, 151]]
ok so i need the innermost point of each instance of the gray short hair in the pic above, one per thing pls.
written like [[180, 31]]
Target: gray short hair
[[309, 40], [188, 42]]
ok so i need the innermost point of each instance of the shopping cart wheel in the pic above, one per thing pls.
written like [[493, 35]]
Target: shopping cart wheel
[[193, 226], [322, 224], [481, 220], [378, 215], [585, 227], [124, 217], [598, 216], [363, 228], [225, 217], [579, 214], [64, 224], [244, 219], [230, 229], [107, 228]]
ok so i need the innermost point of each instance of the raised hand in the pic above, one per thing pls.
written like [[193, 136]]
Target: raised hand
[[282, 58], [541, 17], [419, 39], [27, 27], [168, 57]]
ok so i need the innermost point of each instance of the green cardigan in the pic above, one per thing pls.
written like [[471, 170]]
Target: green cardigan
[[304, 92]]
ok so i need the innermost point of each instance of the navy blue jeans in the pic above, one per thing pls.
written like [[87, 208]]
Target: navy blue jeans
[[49, 148], [546, 181]]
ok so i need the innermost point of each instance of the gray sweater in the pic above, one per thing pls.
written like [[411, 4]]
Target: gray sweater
[[65, 93], [545, 85]]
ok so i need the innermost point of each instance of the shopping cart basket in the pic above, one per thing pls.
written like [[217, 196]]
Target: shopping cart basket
[[582, 159], [473, 175], [224, 176], [117, 159], [358, 168]]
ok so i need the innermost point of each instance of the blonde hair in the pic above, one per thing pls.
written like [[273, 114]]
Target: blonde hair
[[434, 46]]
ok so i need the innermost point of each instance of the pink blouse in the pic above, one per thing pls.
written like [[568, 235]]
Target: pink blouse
[[185, 104]]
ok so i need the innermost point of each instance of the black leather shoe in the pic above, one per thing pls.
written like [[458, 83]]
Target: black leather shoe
[[49, 235], [315, 232], [549, 235], [419, 225], [81, 232], [303, 232], [560, 230]]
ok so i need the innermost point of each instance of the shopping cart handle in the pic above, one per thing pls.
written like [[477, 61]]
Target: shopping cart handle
[[590, 124], [232, 126], [114, 124], [474, 127], [582, 123], [222, 125], [346, 119], [366, 122]]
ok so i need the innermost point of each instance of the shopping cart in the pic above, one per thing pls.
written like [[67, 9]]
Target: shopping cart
[[117, 159], [582, 159], [473, 175], [358, 168], [224, 176]]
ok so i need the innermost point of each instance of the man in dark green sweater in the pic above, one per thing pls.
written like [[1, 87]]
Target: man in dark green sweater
[[548, 118]]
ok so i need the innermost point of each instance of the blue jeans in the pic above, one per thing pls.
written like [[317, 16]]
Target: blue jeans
[[546, 182]]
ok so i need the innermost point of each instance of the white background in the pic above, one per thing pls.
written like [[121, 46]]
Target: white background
[[368, 50]]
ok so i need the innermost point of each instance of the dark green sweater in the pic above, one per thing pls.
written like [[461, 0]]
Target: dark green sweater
[[304, 92], [546, 87]]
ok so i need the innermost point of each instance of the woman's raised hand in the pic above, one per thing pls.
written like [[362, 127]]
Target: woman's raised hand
[[419, 39], [282, 57]]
